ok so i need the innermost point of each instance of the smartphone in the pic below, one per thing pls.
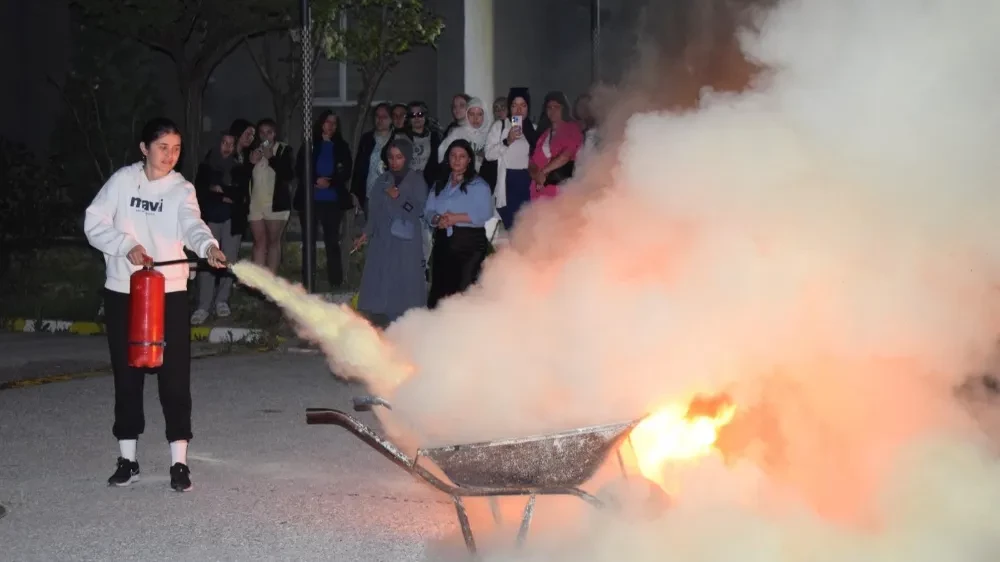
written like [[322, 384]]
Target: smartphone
[[515, 120], [265, 144]]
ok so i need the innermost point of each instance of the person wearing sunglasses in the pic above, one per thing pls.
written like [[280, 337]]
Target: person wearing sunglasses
[[425, 141]]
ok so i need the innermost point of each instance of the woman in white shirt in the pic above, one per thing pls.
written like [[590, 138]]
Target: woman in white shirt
[[510, 143]]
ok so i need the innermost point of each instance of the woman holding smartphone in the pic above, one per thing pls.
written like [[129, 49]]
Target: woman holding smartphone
[[271, 173], [457, 209], [511, 143], [148, 212]]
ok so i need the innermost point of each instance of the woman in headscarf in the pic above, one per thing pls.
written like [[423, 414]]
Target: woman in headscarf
[[474, 131], [393, 279]]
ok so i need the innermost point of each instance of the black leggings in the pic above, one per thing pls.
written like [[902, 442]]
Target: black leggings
[[173, 377]]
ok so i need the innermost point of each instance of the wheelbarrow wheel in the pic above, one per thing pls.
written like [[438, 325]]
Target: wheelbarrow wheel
[[634, 497]]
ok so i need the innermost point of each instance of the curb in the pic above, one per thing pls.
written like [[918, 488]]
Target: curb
[[198, 333]]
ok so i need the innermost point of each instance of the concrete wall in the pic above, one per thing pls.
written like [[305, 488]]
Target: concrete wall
[[450, 57]]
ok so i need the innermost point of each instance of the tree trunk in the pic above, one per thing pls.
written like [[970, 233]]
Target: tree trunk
[[282, 113], [365, 98], [192, 90]]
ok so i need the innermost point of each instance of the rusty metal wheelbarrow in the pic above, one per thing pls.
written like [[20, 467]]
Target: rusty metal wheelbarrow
[[553, 464]]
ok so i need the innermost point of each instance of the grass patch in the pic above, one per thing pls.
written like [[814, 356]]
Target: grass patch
[[65, 284], [59, 283]]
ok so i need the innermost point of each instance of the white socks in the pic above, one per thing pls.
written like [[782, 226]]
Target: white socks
[[127, 447], [178, 452]]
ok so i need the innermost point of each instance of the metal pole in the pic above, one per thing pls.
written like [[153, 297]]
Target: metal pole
[[595, 41], [308, 235]]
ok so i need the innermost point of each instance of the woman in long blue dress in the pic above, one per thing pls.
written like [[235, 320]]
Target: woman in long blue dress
[[393, 280]]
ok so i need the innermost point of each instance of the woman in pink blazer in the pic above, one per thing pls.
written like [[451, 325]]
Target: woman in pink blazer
[[555, 151]]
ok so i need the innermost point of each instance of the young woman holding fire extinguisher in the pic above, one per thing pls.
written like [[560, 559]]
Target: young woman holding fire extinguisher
[[147, 212]]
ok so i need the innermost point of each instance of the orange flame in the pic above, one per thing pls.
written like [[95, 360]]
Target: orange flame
[[678, 434]]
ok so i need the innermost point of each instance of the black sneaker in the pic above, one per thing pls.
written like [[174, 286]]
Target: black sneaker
[[126, 473], [180, 477]]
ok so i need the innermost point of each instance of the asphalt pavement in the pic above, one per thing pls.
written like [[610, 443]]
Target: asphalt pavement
[[266, 485]]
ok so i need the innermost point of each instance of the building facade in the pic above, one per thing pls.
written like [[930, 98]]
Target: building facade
[[487, 46]]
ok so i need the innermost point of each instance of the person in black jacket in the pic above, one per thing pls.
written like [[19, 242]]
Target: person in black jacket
[[369, 163], [425, 141], [222, 186], [271, 175], [334, 206]]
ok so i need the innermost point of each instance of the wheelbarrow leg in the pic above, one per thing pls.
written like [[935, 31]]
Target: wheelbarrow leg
[[495, 510], [463, 522], [529, 511], [621, 464]]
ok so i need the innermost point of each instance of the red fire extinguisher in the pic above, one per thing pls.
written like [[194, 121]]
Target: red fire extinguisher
[[147, 301]]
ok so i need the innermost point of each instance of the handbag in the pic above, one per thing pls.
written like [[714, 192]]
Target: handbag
[[561, 174], [402, 229]]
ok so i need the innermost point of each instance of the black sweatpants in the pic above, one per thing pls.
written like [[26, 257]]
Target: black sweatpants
[[173, 377], [326, 214]]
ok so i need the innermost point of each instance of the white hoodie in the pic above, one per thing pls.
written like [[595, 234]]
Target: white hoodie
[[162, 215]]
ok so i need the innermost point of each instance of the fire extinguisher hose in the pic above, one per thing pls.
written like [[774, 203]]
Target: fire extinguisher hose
[[153, 264]]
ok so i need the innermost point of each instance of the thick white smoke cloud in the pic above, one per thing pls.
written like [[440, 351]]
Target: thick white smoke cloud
[[824, 246], [838, 217]]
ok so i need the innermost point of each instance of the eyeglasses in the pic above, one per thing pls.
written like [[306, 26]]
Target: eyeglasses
[[416, 114]]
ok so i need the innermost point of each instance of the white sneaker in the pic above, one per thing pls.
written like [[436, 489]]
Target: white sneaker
[[222, 310], [199, 317]]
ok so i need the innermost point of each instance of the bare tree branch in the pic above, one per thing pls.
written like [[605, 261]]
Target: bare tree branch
[[261, 67], [84, 131], [100, 130]]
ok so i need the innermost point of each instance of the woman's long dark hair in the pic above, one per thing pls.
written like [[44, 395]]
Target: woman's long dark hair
[[337, 137], [470, 171], [265, 122], [543, 121], [156, 128]]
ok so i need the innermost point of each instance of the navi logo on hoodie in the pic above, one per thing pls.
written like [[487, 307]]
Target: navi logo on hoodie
[[148, 207]]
